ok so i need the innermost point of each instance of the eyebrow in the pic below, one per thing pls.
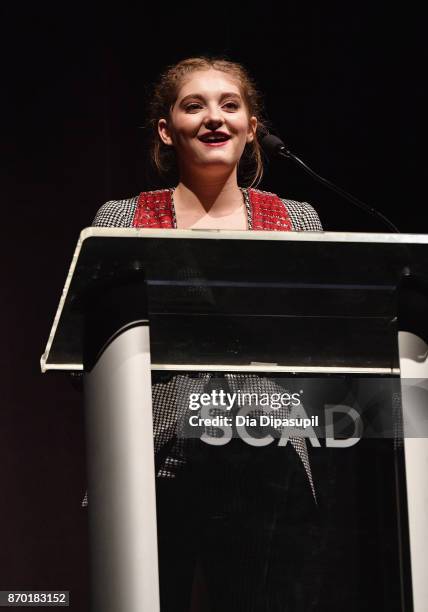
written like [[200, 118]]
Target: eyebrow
[[226, 94]]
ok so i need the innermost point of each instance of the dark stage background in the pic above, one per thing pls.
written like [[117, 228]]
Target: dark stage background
[[343, 86]]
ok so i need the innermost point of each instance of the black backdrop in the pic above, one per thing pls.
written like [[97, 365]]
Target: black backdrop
[[343, 86]]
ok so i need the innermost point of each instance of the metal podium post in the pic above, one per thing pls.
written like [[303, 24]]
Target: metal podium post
[[121, 477], [414, 373]]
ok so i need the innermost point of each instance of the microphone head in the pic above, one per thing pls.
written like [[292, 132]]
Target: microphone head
[[272, 145]]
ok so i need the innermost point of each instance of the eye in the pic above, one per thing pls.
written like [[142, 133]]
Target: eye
[[192, 107], [231, 105]]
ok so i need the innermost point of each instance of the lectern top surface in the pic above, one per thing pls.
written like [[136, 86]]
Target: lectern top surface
[[216, 234], [242, 285]]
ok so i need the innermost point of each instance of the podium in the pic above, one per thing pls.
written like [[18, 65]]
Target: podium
[[137, 301]]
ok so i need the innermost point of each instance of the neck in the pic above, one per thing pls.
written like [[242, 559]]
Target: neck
[[202, 192]]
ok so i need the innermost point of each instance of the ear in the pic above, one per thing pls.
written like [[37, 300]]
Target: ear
[[164, 133], [252, 127]]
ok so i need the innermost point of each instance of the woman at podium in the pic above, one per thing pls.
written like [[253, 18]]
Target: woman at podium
[[232, 522], [206, 124]]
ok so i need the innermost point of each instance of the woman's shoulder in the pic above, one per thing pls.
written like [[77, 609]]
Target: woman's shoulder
[[116, 213], [121, 213], [303, 216]]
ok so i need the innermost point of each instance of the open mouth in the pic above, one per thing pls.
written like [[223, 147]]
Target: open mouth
[[215, 138]]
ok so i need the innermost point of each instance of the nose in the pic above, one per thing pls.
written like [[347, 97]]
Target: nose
[[213, 124], [213, 119]]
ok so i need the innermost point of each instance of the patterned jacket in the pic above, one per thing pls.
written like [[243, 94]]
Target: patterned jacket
[[156, 209], [170, 393]]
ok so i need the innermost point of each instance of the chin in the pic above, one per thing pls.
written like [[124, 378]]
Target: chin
[[217, 159]]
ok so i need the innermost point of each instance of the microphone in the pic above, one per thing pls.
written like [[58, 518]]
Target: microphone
[[275, 147]]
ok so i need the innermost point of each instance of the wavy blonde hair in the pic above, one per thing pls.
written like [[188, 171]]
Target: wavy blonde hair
[[165, 93]]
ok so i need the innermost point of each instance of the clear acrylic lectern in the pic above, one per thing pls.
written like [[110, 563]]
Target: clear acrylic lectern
[[223, 301]]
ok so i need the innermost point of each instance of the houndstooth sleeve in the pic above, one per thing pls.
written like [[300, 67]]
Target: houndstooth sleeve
[[116, 213], [304, 217]]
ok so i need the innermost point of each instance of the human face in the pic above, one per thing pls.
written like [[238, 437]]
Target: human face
[[209, 124]]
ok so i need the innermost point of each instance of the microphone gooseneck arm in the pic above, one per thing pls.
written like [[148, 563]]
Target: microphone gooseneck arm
[[275, 145], [288, 154]]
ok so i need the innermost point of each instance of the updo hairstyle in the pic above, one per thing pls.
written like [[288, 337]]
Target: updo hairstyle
[[164, 95]]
